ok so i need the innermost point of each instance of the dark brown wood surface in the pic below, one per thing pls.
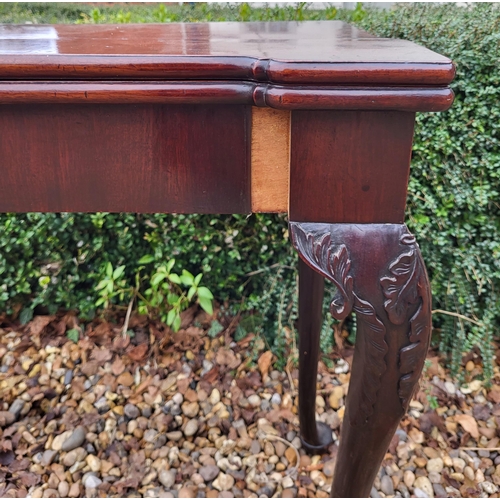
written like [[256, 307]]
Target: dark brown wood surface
[[125, 158], [226, 92], [322, 52], [349, 166], [379, 275]]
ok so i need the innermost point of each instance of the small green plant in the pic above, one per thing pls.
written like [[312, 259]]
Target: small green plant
[[167, 293], [111, 286]]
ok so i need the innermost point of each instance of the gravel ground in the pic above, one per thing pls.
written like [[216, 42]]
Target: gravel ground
[[185, 415]]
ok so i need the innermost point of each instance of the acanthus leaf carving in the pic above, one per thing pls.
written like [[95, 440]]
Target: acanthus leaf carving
[[399, 287], [335, 264], [405, 287]]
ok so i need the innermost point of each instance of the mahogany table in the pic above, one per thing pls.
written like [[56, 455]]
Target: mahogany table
[[314, 119]]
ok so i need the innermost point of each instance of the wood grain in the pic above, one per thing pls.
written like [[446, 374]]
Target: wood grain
[[349, 166], [125, 158], [270, 163], [227, 92], [321, 52]]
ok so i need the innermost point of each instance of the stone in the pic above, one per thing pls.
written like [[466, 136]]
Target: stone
[[424, 485], [167, 478], [187, 492], [335, 397], [209, 472], [75, 440], [131, 411], [6, 418], [459, 464], [63, 489], [190, 409], [174, 435], [435, 465], [48, 457], [59, 440], [439, 491], [488, 487], [291, 456], [328, 468], [94, 463], [254, 400], [70, 458], [91, 481], [214, 397], [191, 427], [16, 407], [386, 486], [125, 379], [223, 482]]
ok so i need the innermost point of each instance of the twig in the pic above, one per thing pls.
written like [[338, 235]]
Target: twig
[[263, 270], [478, 449], [461, 316], [289, 472], [127, 316]]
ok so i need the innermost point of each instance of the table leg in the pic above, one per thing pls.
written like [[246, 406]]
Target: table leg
[[380, 275], [315, 436]]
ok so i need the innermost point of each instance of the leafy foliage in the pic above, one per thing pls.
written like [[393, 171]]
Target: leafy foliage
[[56, 260]]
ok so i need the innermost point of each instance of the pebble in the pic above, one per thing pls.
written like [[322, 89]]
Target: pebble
[[190, 409], [439, 491], [435, 465], [191, 427], [387, 486], [131, 411], [75, 440], [167, 478], [209, 472], [408, 478], [48, 457], [16, 408], [91, 481], [223, 482], [254, 400], [422, 483]]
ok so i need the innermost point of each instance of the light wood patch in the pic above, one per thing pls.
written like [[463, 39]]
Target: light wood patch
[[270, 159]]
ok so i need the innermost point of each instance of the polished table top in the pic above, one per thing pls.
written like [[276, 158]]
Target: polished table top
[[326, 52]]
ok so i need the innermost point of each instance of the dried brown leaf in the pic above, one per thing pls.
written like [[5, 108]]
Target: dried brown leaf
[[264, 362], [469, 424]]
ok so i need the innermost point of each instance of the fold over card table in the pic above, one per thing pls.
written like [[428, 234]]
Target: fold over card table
[[314, 119]]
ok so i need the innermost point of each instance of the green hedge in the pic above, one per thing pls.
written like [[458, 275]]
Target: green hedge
[[453, 200]]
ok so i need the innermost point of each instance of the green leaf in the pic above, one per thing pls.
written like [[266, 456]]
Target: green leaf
[[171, 316], [100, 301], [109, 270], [187, 278], [170, 265], [102, 284], [26, 315], [157, 278], [118, 272], [146, 259], [206, 305], [204, 292], [177, 323], [198, 279], [174, 278], [191, 292], [172, 298], [73, 334]]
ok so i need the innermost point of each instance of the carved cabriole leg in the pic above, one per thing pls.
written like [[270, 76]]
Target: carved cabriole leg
[[380, 275], [315, 436]]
